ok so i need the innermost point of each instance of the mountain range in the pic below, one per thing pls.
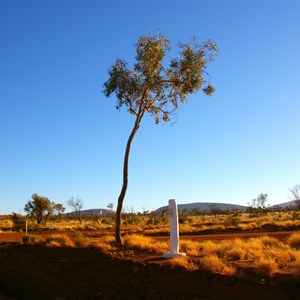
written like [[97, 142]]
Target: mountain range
[[201, 206], [207, 206]]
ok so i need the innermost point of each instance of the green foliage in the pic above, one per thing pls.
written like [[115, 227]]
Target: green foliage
[[58, 209], [40, 208], [150, 86], [110, 206]]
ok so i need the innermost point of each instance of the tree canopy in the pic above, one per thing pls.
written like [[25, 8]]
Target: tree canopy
[[39, 208], [151, 87]]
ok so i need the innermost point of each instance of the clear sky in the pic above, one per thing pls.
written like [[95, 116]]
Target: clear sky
[[60, 136]]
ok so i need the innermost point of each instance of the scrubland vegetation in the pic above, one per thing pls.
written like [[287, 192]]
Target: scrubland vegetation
[[158, 223], [264, 255]]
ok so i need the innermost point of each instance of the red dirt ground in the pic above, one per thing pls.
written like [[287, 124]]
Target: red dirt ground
[[38, 272]]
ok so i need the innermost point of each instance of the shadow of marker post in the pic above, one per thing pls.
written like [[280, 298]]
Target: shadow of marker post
[[174, 232]]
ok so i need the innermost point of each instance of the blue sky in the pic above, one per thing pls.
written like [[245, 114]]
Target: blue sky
[[60, 137]]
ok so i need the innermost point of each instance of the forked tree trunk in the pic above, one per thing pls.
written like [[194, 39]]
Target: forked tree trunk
[[125, 182]]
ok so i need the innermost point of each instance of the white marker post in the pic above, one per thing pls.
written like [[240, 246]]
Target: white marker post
[[174, 232]]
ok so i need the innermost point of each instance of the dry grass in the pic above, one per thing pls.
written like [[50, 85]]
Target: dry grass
[[189, 247], [267, 266], [59, 240], [80, 240], [297, 265], [267, 254], [181, 262], [294, 240], [235, 254], [105, 243], [142, 224], [145, 243], [31, 239], [6, 224], [215, 264]]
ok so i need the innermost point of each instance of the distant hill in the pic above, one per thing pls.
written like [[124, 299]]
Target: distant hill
[[96, 211], [285, 204], [205, 206]]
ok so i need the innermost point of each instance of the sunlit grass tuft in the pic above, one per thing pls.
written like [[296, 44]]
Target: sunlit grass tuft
[[267, 266], [189, 247], [294, 240], [59, 240], [144, 243], [31, 239], [181, 262], [80, 240], [235, 254], [215, 264], [105, 243]]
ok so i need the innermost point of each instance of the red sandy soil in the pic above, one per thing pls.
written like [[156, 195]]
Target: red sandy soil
[[38, 272]]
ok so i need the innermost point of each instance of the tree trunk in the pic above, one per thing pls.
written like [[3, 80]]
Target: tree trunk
[[125, 182]]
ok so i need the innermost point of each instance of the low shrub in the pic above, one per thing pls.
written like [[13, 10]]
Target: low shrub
[[295, 215], [80, 240], [270, 242], [144, 243], [235, 254], [294, 240], [267, 266], [59, 241], [31, 239], [19, 222], [215, 264], [181, 262], [189, 247], [233, 221], [105, 243]]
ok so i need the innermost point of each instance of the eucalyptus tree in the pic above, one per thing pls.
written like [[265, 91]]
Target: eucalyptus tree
[[154, 87]]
